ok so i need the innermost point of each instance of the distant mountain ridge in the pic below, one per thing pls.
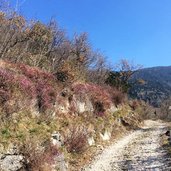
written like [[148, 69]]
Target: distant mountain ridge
[[156, 86]]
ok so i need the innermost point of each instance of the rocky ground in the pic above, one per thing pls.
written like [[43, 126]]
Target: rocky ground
[[140, 150]]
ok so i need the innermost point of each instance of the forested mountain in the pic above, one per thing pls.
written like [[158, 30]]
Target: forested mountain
[[152, 84]]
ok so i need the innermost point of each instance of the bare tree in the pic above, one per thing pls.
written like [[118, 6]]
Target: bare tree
[[47, 47], [99, 70]]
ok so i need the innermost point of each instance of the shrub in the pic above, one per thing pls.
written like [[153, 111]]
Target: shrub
[[100, 94], [46, 96], [99, 109], [118, 97], [76, 140], [9, 79], [26, 85], [134, 104], [4, 96], [14, 89], [38, 158], [44, 84], [97, 93], [19, 79], [34, 73]]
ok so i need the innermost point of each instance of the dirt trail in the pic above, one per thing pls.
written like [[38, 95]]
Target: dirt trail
[[138, 151]]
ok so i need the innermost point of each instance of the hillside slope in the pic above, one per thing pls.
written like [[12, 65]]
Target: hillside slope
[[45, 125], [156, 86]]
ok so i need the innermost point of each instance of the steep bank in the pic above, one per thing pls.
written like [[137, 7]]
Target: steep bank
[[46, 125]]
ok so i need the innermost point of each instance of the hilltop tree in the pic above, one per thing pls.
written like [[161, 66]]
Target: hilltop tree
[[98, 72], [120, 77]]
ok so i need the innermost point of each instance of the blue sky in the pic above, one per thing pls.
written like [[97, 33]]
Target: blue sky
[[139, 30]]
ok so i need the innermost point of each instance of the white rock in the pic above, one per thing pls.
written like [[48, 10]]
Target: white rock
[[91, 141], [81, 107], [60, 163], [11, 162], [113, 109], [56, 139], [106, 136]]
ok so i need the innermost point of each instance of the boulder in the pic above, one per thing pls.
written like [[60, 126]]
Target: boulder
[[11, 162], [60, 163], [91, 141], [57, 139]]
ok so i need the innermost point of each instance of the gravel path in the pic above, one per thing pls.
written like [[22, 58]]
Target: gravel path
[[138, 151]]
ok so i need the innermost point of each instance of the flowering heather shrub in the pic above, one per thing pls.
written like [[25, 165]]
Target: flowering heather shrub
[[12, 87], [34, 73], [9, 79], [44, 84], [46, 95], [6, 77], [6, 83], [97, 93], [30, 81], [26, 85], [102, 97]]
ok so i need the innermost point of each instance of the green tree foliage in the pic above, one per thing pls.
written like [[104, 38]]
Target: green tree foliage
[[120, 78], [115, 79]]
